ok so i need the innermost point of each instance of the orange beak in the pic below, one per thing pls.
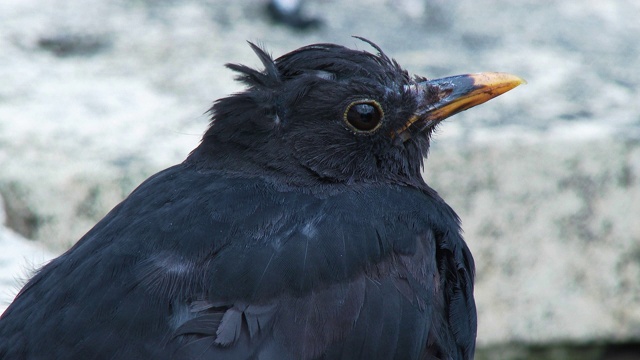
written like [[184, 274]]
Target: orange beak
[[448, 96]]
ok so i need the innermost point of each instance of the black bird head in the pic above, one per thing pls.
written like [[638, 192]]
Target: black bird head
[[328, 114]]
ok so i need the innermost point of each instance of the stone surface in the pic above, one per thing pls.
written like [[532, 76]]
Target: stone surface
[[552, 227], [96, 96], [18, 258]]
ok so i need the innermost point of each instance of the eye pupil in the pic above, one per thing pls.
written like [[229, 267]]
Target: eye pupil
[[364, 116]]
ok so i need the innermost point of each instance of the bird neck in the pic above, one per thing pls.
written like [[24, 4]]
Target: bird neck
[[248, 162], [236, 160]]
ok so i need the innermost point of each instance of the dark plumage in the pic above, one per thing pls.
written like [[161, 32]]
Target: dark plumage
[[300, 228]]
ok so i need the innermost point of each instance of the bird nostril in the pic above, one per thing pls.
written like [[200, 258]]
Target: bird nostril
[[443, 94]]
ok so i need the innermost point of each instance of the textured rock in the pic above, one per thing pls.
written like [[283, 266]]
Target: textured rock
[[18, 258], [554, 229], [96, 96]]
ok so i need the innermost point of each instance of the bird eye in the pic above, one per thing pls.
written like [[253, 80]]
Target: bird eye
[[364, 115]]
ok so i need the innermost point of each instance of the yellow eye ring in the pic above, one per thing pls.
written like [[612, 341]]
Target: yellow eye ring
[[364, 116]]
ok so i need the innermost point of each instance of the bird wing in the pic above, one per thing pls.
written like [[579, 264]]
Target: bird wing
[[195, 265]]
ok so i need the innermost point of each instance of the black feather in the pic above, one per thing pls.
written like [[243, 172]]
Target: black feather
[[268, 78]]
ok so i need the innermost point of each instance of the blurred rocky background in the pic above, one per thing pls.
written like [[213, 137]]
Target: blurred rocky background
[[95, 96]]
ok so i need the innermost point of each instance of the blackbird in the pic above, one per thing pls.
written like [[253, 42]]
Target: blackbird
[[299, 228]]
